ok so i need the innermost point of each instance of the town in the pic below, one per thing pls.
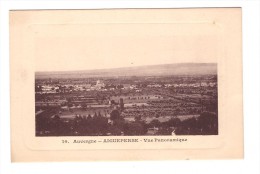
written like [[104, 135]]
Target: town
[[127, 105]]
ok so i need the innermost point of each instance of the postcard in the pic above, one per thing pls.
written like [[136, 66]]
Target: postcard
[[126, 84]]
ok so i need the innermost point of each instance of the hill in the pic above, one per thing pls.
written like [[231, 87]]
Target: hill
[[149, 70]]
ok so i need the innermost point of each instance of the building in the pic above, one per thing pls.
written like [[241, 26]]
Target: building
[[100, 84]]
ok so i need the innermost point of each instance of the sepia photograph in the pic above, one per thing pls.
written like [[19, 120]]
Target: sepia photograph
[[167, 99]]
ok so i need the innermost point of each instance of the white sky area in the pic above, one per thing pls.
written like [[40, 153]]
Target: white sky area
[[112, 46]]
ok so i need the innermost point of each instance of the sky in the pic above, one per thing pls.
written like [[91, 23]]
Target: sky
[[65, 48]]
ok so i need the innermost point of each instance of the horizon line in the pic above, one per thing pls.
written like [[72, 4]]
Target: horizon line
[[121, 67]]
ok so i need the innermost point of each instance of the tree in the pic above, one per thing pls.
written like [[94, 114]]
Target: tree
[[191, 124], [56, 125], [89, 117], [118, 126], [208, 123], [137, 118], [173, 122], [38, 88], [115, 115], [113, 102], [155, 123], [135, 128], [84, 106]]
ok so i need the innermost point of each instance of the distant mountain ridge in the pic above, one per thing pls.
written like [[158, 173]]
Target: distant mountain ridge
[[148, 70]]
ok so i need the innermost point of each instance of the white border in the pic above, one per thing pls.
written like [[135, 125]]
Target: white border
[[250, 164]]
